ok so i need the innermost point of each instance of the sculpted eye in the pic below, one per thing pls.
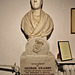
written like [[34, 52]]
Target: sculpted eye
[[35, 1]]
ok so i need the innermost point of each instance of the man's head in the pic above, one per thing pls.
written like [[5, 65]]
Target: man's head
[[36, 4]]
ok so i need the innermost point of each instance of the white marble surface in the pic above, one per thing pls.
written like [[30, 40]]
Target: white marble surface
[[37, 61], [37, 57], [37, 46]]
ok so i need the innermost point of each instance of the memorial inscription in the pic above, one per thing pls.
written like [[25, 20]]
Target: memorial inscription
[[37, 70]]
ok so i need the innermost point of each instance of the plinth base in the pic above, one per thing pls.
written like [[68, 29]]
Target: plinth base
[[37, 64]]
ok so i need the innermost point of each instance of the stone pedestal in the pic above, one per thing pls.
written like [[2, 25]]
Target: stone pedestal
[[37, 60]]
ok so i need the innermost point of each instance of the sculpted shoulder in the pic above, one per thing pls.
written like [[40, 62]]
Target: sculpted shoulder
[[47, 15], [49, 18], [27, 15]]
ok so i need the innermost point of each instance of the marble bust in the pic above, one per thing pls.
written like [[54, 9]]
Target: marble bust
[[36, 23], [37, 26]]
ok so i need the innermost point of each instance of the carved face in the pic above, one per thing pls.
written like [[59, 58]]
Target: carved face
[[36, 4]]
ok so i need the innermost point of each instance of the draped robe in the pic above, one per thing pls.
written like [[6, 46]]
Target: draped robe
[[43, 29]]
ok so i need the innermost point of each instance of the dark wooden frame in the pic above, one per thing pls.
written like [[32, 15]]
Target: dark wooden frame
[[61, 52], [72, 20]]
